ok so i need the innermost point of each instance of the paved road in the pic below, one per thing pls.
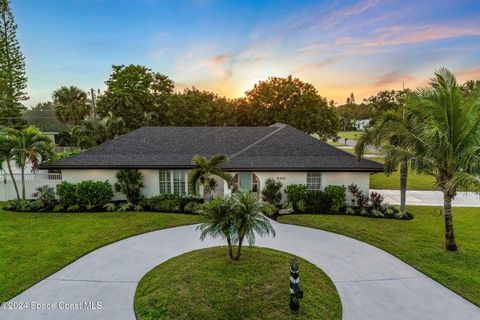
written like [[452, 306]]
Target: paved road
[[430, 198], [371, 283]]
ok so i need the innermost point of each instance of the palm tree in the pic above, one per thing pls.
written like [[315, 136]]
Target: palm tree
[[71, 104], [204, 171], [219, 215], [392, 133], [129, 182], [7, 145], [449, 125], [249, 220], [29, 144]]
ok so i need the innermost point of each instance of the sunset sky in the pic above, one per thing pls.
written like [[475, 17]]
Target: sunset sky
[[227, 46]]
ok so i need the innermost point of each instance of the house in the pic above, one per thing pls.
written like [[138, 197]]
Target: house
[[164, 156], [362, 124]]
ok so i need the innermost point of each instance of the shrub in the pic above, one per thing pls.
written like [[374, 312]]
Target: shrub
[[336, 196], [317, 202], [67, 194], [128, 206], [21, 205], [45, 196], [295, 193], [193, 207], [129, 183], [376, 200], [110, 207], [272, 192], [94, 194], [170, 202]]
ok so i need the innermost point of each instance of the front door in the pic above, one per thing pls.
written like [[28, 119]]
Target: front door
[[245, 181]]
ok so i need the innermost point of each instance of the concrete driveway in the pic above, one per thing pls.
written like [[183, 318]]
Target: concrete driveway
[[371, 283], [430, 198]]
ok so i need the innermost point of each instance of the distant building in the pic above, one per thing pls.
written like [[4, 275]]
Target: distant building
[[362, 124]]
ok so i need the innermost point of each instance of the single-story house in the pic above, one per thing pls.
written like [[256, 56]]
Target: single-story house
[[164, 156]]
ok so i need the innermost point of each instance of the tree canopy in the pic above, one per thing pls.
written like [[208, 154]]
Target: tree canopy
[[133, 91]]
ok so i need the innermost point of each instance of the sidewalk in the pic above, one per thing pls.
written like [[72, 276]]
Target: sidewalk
[[429, 198]]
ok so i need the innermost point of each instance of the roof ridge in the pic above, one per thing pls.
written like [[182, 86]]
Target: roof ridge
[[279, 126]]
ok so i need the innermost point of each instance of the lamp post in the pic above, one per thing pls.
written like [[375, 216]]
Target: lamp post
[[296, 292]]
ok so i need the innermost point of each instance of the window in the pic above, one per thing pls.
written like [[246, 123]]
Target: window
[[164, 179], [178, 182], [314, 181], [172, 181]]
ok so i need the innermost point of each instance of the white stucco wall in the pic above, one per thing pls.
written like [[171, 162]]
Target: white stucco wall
[[76, 175], [361, 179], [151, 179]]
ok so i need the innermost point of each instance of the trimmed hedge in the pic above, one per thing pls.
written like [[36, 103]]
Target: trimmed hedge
[[166, 202]]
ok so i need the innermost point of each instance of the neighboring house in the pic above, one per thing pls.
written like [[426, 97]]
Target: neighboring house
[[164, 156], [361, 125]]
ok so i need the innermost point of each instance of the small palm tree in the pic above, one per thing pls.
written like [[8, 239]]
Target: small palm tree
[[249, 219], [29, 144], [219, 214], [129, 182], [204, 173], [449, 125], [394, 136], [7, 145]]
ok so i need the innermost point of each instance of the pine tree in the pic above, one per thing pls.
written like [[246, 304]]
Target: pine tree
[[13, 80]]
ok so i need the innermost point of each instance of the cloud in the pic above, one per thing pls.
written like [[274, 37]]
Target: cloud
[[392, 78], [469, 74], [399, 35]]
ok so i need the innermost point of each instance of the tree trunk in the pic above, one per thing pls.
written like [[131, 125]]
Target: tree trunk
[[230, 250], [206, 194], [22, 168], [13, 178], [450, 243], [240, 241], [403, 185]]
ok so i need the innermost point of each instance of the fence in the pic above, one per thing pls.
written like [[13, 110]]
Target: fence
[[32, 181]]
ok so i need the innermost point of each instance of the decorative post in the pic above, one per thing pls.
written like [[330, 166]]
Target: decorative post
[[295, 292]]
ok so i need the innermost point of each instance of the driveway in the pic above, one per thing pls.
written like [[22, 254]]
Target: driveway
[[430, 198], [371, 283]]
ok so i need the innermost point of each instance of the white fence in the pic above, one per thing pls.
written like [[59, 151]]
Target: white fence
[[32, 181]]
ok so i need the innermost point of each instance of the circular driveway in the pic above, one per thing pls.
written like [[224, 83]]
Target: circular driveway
[[372, 284]]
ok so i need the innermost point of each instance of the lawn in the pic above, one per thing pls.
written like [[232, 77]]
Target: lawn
[[35, 245], [206, 284], [418, 242], [351, 135]]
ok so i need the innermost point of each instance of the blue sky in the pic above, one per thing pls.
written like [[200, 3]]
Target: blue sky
[[227, 46]]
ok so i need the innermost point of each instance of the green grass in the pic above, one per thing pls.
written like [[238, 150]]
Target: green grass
[[35, 245], [206, 284], [351, 135], [418, 242]]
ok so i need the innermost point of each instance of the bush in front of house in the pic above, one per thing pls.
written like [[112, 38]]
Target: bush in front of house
[[166, 202], [130, 183], [94, 194], [296, 196], [86, 195], [330, 200], [272, 192], [372, 206]]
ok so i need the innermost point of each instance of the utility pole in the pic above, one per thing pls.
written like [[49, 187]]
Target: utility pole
[[92, 92]]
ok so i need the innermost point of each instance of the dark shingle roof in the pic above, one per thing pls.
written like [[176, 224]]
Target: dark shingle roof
[[278, 147]]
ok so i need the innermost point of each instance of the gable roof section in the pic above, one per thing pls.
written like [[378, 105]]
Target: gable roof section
[[278, 147]]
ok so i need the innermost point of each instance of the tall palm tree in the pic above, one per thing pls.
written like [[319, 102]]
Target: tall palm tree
[[7, 145], [249, 219], [449, 125], [219, 215], [71, 104], [29, 144], [204, 173], [393, 135]]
